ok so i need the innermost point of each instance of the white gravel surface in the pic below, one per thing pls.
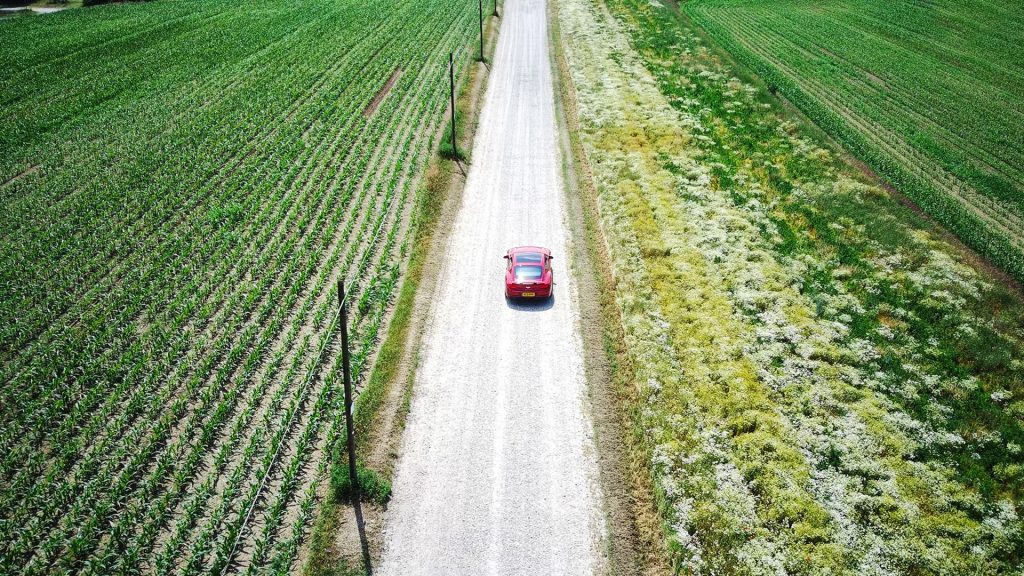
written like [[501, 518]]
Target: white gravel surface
[[498, 470]]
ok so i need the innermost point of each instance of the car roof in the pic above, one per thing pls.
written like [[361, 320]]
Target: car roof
[[529, 255]]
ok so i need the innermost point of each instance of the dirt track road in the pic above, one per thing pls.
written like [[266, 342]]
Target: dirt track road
[[498, 473]]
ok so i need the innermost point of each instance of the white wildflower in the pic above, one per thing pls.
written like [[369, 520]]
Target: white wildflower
[[1001, 396]]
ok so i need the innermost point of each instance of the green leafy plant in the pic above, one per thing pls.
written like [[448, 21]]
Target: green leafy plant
[[372, 486]]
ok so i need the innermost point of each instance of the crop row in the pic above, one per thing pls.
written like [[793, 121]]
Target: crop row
[[902, 110], [162, 375], [996, 216]]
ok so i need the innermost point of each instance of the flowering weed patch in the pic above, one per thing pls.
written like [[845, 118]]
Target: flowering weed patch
[[823, 386]]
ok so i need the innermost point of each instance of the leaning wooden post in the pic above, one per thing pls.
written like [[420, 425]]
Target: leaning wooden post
[[451, 89], [347, 374]]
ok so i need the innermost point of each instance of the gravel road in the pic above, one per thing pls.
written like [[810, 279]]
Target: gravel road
[[498, 471]]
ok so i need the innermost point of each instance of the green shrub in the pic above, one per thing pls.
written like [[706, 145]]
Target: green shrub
[[445, 149], [372, 486]]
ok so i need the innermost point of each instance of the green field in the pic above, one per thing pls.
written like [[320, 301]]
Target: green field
[[182, 184], [929, 94], [817, 381]]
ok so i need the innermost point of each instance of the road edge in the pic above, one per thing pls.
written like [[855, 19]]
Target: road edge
[[335, 547], [634, 546]]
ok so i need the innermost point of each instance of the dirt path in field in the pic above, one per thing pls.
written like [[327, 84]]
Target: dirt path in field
[[498, 470]]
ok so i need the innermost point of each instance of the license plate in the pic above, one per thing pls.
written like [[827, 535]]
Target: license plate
[[529, 294]]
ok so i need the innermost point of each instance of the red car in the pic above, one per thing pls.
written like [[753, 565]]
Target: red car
[[528, 272]]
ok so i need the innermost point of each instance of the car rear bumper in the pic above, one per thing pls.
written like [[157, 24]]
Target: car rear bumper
[[538, 292]]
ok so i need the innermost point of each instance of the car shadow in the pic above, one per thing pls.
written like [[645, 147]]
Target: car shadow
[[527, 305]]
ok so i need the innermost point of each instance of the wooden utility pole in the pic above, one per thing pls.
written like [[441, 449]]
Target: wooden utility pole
[[480, 6], [451, 89], [347, 373]]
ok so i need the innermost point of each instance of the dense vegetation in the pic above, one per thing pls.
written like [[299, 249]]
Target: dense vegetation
[[182, 184], [819, 383], [929, 94]]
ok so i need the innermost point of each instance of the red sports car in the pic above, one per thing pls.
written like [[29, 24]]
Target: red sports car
[[528, 272]]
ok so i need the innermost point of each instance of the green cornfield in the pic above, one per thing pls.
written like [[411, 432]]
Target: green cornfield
[[182, 184], [928, 94]]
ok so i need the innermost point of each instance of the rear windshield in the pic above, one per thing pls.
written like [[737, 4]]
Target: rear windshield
[[527, 273], [529, 257]]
